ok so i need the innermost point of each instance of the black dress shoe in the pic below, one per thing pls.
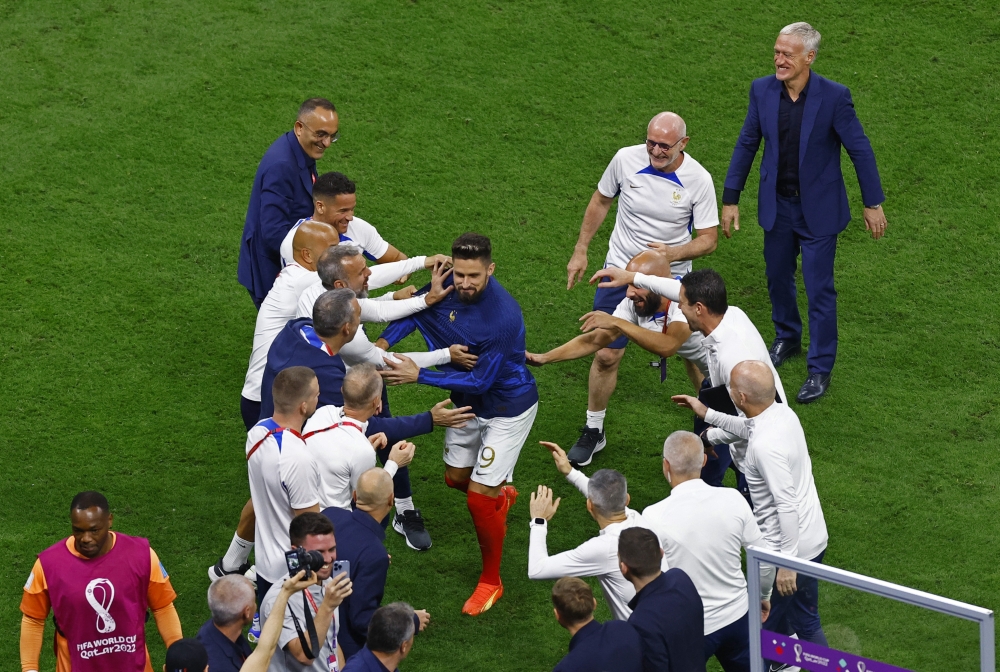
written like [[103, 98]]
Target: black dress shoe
[[782, 349], [814, 387]]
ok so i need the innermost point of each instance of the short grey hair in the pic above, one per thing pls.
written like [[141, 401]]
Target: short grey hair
[[362, 385], [390, 627], [229, 597], [330, 265], [332, 311], [607, 492], [810, 36], [685, 453]]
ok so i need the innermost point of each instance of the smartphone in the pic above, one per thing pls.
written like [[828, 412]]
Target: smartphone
[[341, 566]]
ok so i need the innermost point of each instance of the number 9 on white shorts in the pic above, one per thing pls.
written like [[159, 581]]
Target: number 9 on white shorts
[[490, 446]]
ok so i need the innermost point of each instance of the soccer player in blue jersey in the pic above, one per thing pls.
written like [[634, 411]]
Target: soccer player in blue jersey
[[480, 457]]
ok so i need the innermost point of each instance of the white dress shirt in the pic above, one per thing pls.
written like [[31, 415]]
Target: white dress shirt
[[277, 309], [595, 557], [779, 474], [702, 530], [342, 453]]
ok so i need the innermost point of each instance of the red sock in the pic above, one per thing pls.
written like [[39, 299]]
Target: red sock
[[490, 519], [458, 485]]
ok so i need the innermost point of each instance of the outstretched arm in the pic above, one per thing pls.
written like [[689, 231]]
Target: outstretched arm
[[581, 346], [664, 344], [597, 211]]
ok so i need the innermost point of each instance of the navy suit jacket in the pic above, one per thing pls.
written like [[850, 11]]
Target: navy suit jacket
[[828, 121], [365, 661], [360, 541], [603, 647], [224, 655], [669, 617], [290, 349], [281, 196]]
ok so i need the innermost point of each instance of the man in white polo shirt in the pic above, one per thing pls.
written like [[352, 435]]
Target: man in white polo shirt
[[284, 481], [309, 241], [664, 195], [607, 503], [336, 438], [334, 199], [652, 321], [702, 530], [779, 473]]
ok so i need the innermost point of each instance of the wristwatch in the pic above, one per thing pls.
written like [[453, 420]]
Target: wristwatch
[[873, 207], [537, 521]]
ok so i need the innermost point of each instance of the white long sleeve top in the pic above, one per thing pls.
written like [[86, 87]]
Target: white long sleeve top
[[778, 470], [382, 276], [702, 530], [596, 557]]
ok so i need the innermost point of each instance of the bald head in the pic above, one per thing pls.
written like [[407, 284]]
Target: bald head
[[311, 240], [667, 123], [684, 452], [754, 380], [650, 263], [374, 488]]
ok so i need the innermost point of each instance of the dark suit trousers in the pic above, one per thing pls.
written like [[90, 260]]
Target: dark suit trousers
[[782, 244]]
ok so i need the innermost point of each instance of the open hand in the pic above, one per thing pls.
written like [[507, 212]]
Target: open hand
[[875, 222], [400, 372], [460, 356], [438, 291], [442, 416], [559, 455], [597, 320], [664, 250], [435, 259], [687, 401], [613, 277], [576, 268], [541, 504]]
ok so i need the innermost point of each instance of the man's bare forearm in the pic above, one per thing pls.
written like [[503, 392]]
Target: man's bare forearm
[[581, 346], [597, 212], [664, 345], [704, 244]]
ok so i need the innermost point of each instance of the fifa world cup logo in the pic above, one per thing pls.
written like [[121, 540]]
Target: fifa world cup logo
[[100, 594], [798, 653], [861, 666]]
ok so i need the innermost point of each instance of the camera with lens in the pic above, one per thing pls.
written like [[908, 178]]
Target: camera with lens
[[298, 559]]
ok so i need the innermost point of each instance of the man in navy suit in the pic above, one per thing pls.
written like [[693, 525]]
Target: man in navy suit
[[802, 201], [594, 646], [360, 539], [282, 194], [667, 611]]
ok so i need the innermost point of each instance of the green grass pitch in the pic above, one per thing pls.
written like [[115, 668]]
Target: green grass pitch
[[129, 136]]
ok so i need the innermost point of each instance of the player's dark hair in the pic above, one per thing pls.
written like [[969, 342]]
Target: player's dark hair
[[89, 499], [330, 185], [573, 599], [472, 246], [291, 387], [307, 524], [390, 627], [639, 549], [332, 310], [705, 286], [313, 104]]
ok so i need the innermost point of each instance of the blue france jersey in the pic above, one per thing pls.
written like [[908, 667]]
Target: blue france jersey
[[500, 385]]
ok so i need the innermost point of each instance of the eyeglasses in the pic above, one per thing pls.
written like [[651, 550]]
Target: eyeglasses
[[323, 135], [662, 145]]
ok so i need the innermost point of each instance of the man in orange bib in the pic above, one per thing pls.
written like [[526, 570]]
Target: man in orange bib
[[98, 585]]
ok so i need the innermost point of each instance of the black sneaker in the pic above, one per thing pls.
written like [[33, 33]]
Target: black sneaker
[[216, 572], [591, 441], [779, 667], [410, 524]]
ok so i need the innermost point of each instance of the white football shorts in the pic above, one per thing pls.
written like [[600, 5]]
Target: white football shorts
[[490, 445]]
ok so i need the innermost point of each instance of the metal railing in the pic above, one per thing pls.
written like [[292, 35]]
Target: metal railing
[[756, 556]]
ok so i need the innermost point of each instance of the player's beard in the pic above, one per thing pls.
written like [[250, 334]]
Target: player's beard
[[469, 298], [650, 306]]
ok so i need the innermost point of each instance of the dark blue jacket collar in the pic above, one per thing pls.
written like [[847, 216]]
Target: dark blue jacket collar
[[366, 521], [583, 633], [654, 586]]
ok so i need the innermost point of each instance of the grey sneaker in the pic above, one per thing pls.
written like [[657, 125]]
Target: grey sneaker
[[591, 441]]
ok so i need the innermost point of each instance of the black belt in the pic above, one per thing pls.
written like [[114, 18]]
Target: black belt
[[787, 193]]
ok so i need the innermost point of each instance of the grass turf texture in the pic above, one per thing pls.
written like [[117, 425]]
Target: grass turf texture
[[130, 135]]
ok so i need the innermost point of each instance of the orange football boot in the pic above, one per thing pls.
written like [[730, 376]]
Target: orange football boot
[[484, 597]]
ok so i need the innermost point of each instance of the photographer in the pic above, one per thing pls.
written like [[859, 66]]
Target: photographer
[[362, 540], [308, 638]]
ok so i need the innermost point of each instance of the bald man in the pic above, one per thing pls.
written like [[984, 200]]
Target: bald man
[[311, 240], [664, 196], [360, 541], [779, 474], [652, 321]]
